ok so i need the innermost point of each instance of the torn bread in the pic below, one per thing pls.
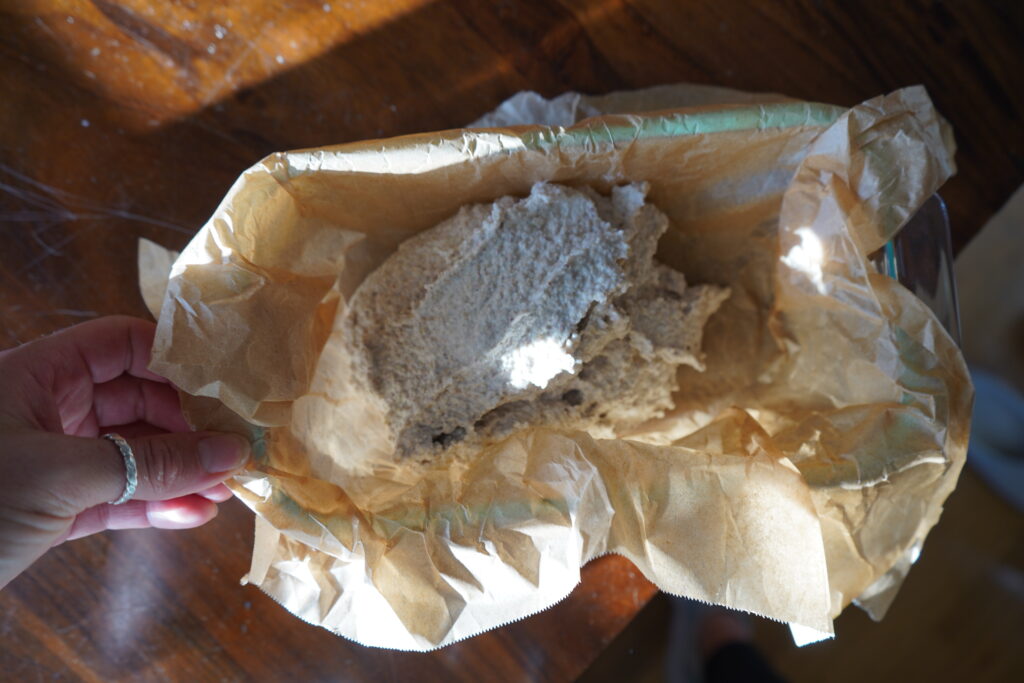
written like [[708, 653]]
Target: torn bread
[[545, 310]]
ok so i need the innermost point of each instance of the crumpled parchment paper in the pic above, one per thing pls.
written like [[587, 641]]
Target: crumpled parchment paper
[[799, 473]]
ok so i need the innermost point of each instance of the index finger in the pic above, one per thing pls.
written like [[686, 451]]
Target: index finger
[[104, 348]]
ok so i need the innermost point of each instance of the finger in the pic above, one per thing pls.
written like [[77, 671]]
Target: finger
[[104, 348], [186, 512], [172, 465], [129, 399], [217, 494], [130, 430], [83, 425], [134, 430], [82, 473], [131, 515], [53, 377]]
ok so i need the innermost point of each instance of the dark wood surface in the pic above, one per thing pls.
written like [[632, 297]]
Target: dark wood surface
[[128, 118]]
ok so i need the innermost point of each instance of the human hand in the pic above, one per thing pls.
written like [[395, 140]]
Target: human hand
[[57, 395]]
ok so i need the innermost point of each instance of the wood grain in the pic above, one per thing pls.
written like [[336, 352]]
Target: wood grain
[[122, 119]]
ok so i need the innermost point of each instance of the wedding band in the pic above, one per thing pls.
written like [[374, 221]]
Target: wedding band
[[130, 470]]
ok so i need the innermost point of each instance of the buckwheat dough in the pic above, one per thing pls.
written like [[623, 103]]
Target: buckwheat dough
[[548, 310]]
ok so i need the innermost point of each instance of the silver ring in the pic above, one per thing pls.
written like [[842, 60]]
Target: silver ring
[[131, 471]]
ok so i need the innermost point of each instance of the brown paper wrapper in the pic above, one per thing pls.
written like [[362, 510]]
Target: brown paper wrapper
[[800, 472]]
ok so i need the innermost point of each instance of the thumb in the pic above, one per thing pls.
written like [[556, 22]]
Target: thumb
[[87, 472]]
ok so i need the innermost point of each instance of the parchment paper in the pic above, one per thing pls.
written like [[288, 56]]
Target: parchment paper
[[801, 471]]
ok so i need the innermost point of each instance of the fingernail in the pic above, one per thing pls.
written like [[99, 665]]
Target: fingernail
[[223, 452], [172, 517]]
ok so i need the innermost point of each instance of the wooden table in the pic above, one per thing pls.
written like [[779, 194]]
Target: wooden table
[[129, 118]]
